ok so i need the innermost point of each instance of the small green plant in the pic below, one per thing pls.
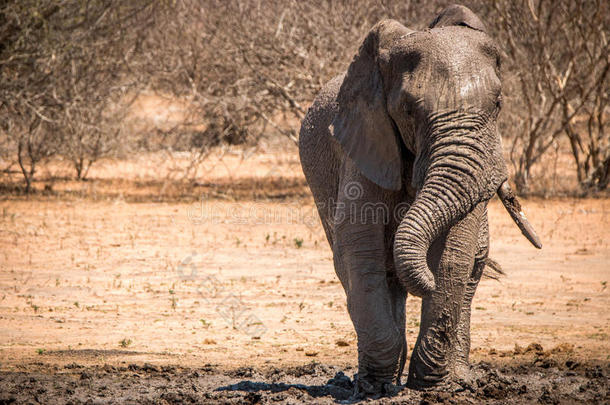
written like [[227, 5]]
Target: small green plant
[[298, 242], [76, 304], [125, 342], [41, 351], [205, 323]]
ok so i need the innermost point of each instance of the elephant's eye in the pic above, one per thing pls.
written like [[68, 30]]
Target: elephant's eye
[[499, 102]]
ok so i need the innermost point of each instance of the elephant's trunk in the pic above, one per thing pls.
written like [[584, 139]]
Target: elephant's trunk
[[465, 167], [435, 210]]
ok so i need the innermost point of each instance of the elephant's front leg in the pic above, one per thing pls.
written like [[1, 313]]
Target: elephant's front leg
[[370, 305], [462, 349], [452, 258]]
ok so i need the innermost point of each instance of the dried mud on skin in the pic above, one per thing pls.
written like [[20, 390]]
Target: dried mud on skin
[[538, 380]]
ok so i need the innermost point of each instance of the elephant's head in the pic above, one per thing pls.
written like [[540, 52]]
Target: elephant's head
[[434, 95]]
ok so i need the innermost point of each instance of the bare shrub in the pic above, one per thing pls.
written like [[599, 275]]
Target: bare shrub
[[247, 68], [557, 61], [239, 63], [35, 143], [60, 65]]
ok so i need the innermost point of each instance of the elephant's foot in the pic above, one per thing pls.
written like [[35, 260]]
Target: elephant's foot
[[450, 383], [371, 382], [423, 381], [430, 364], [379, 363], [374, 389], [465, 376], [450, 378]]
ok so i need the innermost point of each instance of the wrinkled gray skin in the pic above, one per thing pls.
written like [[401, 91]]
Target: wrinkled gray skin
[[411, 127]]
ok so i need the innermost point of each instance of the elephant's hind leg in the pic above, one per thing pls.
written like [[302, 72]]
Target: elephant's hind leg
[[398, 296]]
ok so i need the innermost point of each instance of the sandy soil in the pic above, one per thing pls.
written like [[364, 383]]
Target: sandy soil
[[105, 299]]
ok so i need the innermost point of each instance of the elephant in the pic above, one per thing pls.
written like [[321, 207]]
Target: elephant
[[402, 154]]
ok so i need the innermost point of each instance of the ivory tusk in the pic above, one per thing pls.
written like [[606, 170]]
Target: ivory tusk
[[513, 207]]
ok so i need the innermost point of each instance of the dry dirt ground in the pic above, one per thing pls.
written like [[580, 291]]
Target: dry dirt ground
[[111, 292]]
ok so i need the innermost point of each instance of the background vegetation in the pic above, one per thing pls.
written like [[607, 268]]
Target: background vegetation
[[243, 69]]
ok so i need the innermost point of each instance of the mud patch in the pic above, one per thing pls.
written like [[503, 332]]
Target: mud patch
[[526, 382]]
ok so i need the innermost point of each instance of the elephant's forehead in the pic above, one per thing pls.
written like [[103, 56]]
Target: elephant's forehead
[[447, 67], [447, 48]]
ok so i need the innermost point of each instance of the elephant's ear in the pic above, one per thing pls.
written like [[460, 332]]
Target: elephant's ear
[[458, 15], [362, 124]]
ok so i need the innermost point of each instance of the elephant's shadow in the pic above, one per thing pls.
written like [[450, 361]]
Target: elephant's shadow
[[340, 388]]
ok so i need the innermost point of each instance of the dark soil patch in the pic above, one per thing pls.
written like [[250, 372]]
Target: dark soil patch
[[242, 189], [525, 382]]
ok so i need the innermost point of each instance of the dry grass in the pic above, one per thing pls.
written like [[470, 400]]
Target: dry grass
[[80, 275]]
